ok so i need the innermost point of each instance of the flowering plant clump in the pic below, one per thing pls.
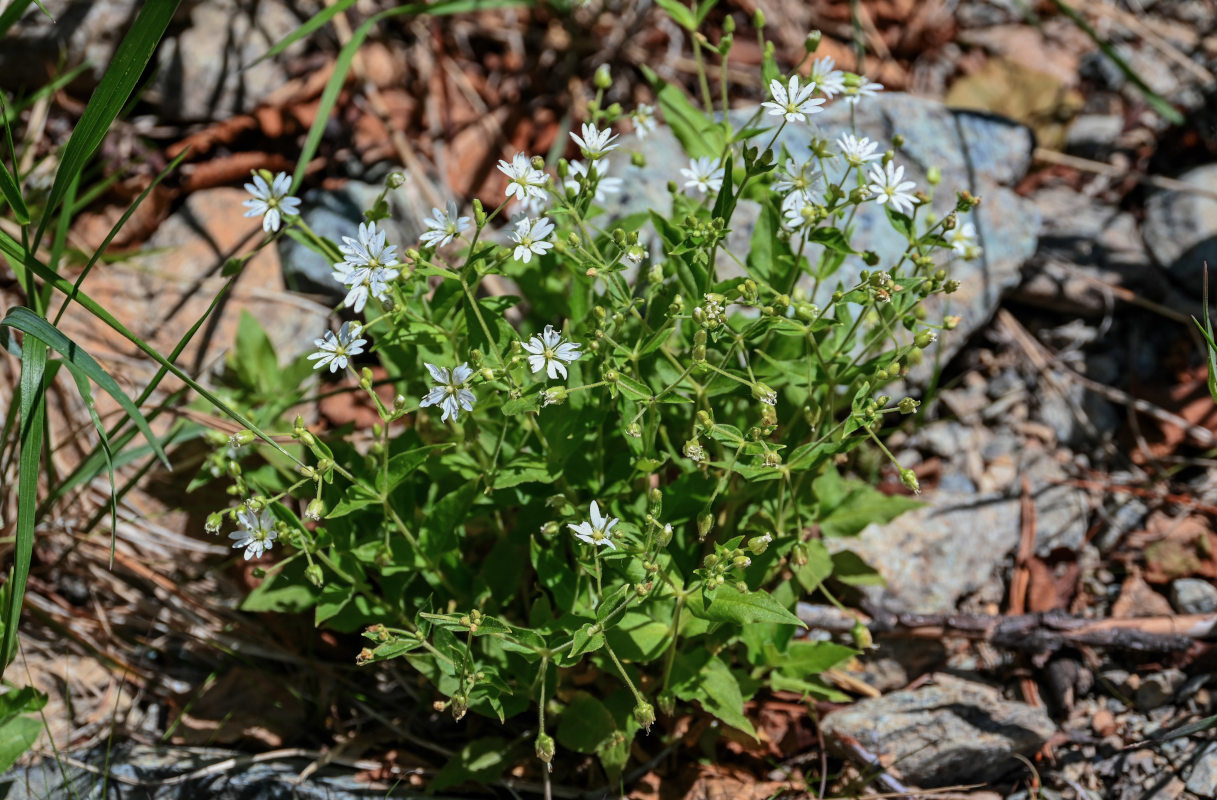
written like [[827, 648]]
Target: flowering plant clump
[[638, 471]]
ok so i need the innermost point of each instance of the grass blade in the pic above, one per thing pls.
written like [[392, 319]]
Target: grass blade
[[86, 394], [316, 21], [13, 13], [111, 95], [1206, 330], [8, 180], [82, 365], [33, 417]]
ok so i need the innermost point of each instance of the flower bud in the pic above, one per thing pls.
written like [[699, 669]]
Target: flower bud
[[644, 713], [603, 79], [909, 479], [487, 373], [924, 339], [553, 397], [710, 561], [951, 322], [550, 528], [861, 636], [758, 22], [798, 555], [545, 747], [655, 496], [215, 521], [699, 354], [633, 430], [870, 258], [665, 535], [315, 509], [933, 176], [395, 180], [314, 575], [742, 562], [241, 438], [764, 393], [704, 523], [812, 42], [907, 405], [365, 656], [759, 544]]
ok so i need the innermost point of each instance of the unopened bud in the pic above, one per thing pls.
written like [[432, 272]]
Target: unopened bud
[[907, 405], [933, 176], [909, 479], [314, 575], [545, 747], [215, 521], [861, 636], [759, 544], [644, 712], [315, 509], [241, 438], [603, 78], [704, 523], [924, 339]]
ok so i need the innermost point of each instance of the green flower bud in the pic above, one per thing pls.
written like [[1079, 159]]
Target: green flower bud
[[759, 544], [633, 430], [644, 713], [812, 42], [924, 339], [603, 78], [487, 373], [545, 747], [704, 523], [710, 561], [758, 22], [242, 438], [215, 521], [933, 176], [665, 535], [908, 405], [861, 636], [314, 575], [315, 509], [741, 562], [763, 392], [909, 479], [395, 180]]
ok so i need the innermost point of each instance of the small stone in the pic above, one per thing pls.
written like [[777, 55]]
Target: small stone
[[1193, 596], [954, 731], [1202, 777], [1094, 135], [1158, 689], [1180, 228]]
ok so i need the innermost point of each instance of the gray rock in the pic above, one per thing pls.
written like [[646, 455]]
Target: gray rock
[[1159, 688], [335, 214], [1180, 228], [979, 153], [208, 72], [1202, 774], [148, 773], [1094, 135], [952, 732], [1193, 596], [83, 31]]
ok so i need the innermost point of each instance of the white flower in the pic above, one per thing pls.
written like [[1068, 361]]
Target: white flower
[[443, 226], [857, 151], [866, 89], [548, 351], [703, 175], [450, 394], [889, 185], [644, 120], [594, 143], [604, 184], [963, 240], [598, 531], [338, 352], [830, 81], [792, 177], [793, 102], [798, 209], [367, 266], [259, 534], [526, 181], [271, 201], [530, 236]]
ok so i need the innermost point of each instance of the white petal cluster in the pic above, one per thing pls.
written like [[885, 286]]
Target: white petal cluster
[[367, 266], [525, 180], [795, 177], [797, 208], [793, 102], [963, 241], [644, 120], [858, 151], [443, 226], [450, 393], [604, 184], [271, 201], [548, 351], [704, 175], [598, 531], [529, 236], [594, 143], [889, 186], [337, 352], [865, 89], [259, 532], [828, 80]]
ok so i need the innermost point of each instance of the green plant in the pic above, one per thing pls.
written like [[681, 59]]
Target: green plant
[[639, 474]]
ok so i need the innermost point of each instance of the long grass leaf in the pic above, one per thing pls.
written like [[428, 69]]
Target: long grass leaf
[[81, 364], [22, 260], [13, 13], [313, 23], [86, 394], [33, 417], [9, 181], [108, 99], [345, 56]]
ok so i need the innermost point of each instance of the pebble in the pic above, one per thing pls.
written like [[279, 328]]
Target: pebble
[[1180, 228], [1193, 596], [1159, 688], [1202, 774], [954, 731]]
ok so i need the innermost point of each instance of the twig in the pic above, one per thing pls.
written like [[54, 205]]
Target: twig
[[1047, 156]]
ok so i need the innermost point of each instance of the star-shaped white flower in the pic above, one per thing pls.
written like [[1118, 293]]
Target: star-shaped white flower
[[798, 209], [594, 143], [526, 180], [450, 394], [865, 89], [889, 186], [598, 531], [367, 266], [829, 81], [443, 226], [858, 151], [644, 120], [604, 184], [548, 351], [795, 177], [793, 102], [337, 352], [704, 175], [530, 236], [271, 201], [259, 534], [963, 240]]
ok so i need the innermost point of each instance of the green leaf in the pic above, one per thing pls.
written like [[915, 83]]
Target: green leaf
[[718, 691], [849, 568], [637, 637], [401, 465], [17, 736], [522, 470], [727, 604], [531, 401], [584, 642], [480, 761], [77, 360], [33, 418], [108, 99], [12, 195], [818, 567], [846, 507], [833, 239], [802, 659], [334, 597], [586, 723], [680, 14]]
